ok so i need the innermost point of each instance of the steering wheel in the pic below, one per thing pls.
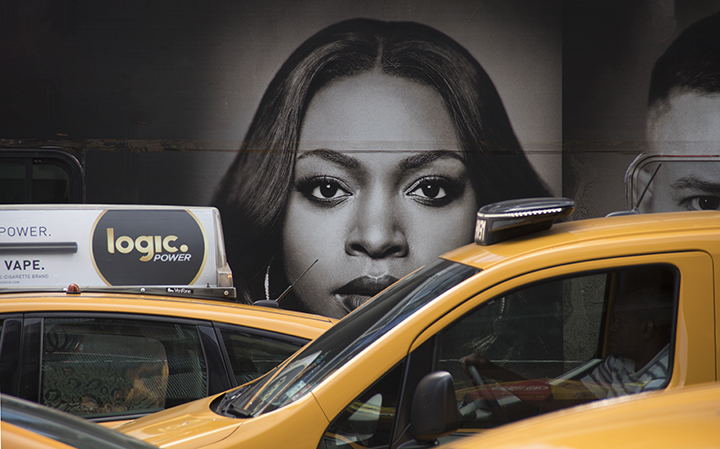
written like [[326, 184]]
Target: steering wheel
[[481, 409]]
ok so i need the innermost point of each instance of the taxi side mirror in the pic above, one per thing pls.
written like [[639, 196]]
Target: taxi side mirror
[[434, 411]]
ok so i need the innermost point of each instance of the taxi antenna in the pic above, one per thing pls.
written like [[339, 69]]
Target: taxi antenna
[[276, 302], [282, 295], [635, 209], [647, 187]]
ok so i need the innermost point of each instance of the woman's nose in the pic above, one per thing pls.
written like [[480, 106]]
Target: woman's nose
[[377, 231]]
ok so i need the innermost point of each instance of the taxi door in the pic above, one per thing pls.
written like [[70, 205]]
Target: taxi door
[[544, 336]]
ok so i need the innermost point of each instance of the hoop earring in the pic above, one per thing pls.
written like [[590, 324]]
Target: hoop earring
[[267, 279]]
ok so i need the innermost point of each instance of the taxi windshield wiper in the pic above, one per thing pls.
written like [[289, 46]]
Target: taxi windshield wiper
[[231, 409]]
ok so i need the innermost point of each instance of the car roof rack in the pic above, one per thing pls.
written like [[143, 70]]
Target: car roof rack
[[504, 220], [141, 249], [214, 293]]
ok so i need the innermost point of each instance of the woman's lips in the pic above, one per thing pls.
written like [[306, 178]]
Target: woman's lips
[[354, 294]]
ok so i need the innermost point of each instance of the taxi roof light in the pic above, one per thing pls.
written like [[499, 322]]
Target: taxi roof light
[[72, 289], [505, 220]]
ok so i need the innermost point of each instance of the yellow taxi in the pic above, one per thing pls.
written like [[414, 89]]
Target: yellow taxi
[[25, 425], [531, 318], [90, 328], [687, 418]]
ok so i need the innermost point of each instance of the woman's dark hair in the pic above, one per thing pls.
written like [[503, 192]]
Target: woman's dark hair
[[253, 193]]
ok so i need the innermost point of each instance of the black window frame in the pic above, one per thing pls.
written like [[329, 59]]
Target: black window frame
[[56, 157], [11, 352]]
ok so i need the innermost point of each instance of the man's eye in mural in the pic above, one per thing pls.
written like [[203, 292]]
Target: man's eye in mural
[[323, 190], [701, 203], [436, 191]]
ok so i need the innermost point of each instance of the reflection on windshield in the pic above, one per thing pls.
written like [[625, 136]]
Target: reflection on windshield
[[347, 339]]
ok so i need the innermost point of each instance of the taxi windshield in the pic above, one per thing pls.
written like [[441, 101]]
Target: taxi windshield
[[345, 340]]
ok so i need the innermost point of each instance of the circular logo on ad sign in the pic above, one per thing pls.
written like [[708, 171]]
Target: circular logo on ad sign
[[148, 247]]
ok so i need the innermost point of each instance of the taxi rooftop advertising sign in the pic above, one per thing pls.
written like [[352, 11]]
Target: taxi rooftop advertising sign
[[178, 248]]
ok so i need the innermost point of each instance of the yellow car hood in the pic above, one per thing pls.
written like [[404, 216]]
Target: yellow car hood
[[190, 425]]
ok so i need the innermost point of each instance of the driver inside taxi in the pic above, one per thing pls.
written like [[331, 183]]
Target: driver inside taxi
[[639, 342]]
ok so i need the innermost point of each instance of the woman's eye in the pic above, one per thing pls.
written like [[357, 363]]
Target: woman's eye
[[429, 189], [704, 203], [326, 190], [435, 190]]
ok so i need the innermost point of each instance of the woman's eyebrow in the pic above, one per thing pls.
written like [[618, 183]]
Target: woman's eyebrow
[[695, 183], [332, 156], [425, 157]]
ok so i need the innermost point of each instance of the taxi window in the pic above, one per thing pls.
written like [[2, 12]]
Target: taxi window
[[96, 367], [368, 420], [561, 343], [253, 355]]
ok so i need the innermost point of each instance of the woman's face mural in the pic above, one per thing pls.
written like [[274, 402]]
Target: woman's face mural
[[380, 188]]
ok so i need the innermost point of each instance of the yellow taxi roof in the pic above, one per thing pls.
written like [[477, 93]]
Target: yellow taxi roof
[[598, 232], [278, 320]]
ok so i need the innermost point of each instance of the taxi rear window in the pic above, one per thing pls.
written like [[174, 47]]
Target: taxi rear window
[[96, 367]]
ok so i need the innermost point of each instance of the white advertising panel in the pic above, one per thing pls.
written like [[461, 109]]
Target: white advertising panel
[[89, 245]]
